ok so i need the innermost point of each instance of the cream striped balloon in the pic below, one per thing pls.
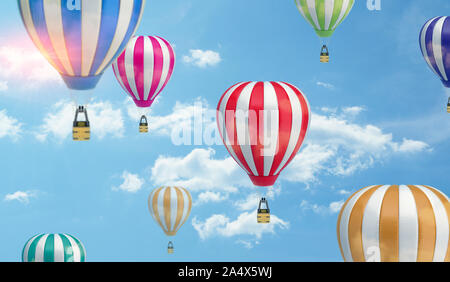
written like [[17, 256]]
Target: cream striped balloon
[[170, 207], [392, 223]]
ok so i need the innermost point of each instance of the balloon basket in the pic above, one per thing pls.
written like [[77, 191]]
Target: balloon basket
[[143, 125], [324, 58], [170, 249], [263, 214], [448, 106], [324, 55], [81, 129], [143, 128]]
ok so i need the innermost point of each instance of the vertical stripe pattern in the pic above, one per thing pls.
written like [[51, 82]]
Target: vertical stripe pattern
[[145, 68], [434, 42], [395, 223], [263, 125], [53, 248], [324, 15], [81, 38], [170, 208]]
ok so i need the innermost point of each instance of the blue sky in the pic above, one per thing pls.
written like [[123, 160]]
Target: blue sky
[[378, 118]]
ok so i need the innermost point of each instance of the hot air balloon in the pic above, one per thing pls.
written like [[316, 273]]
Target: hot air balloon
[[80, 39], [53, 248], [170, 208], [395, 223], [324, 16], [143, 70], [435, 45], [263, 125]]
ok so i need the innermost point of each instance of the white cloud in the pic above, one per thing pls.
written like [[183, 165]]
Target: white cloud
[[353, 111], [20, 196], [412, 146], [4, 86], [249, 203], [306, 165], [104, 119], [332, 208], [9, 126], [22, 65], [338, 146], [328, 110], [248, 244], [203, 58], [134, 112], [210, 197], [200, 172], [335, 207], [335, 145], [325, 85], [188, 124], [245, 224], [343, 192], [132, 183]]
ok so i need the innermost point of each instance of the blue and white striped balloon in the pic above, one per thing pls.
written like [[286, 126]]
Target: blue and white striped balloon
[[435, 44], [53, 248], [81, 38]]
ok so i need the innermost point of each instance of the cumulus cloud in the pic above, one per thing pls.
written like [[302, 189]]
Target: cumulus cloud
[[132, 183], [325, 85], [20, 196], [135, 113], [343, 192], [332, 208], [353, 111], [249, 203], [199, 171], [411, 146], [244, 224], [9, 126], [188, 124], [210, 197], [105, 120], [3, 86], [335, 145], [202, 58], [21, 64], [340, 147], [248, 244]]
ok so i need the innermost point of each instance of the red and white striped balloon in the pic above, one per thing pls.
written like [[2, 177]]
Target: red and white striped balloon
[[144, 68], [263, 125]]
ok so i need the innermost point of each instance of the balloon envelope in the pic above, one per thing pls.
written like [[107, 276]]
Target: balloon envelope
[[53, 248], [395, 223], [435, 45], [81, 38], [144, 68], [324, 15], [170, 208], [263, 125]]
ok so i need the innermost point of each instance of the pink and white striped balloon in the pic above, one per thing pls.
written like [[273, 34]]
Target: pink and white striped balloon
[[144, 68]]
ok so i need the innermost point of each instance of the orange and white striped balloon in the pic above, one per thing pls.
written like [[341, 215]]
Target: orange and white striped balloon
[[170, 207], [395, 223]]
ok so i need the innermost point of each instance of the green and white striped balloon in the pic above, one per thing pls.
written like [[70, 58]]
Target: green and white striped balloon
[[325, 15], [53, 248]]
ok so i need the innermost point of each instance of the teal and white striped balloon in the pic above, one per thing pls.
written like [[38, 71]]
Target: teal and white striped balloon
[[53, 248], [325, 15]]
